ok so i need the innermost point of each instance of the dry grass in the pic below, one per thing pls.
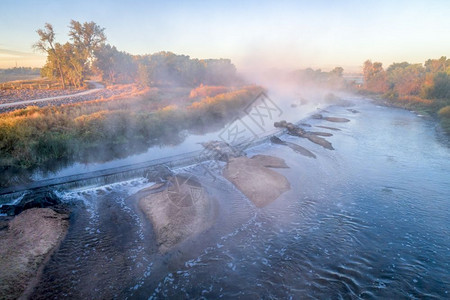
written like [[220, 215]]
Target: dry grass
[[207, 91]]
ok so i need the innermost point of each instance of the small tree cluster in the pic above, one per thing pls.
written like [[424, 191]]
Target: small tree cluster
[[70, 62]]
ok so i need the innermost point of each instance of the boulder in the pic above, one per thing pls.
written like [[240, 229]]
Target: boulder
[[178, 211], [256, 181]]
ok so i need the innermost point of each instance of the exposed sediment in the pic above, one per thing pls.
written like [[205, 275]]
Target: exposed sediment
[[178, 210], [29, 240], [255, 180]]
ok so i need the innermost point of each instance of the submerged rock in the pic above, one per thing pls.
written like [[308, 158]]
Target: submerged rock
[[321, 133], [178, 211], [25, 245], [336, 120], [330, 128], [256, 181], [295, 147]]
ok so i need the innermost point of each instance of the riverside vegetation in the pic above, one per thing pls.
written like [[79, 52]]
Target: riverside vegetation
[[174, 93], [423, 88], [101, 129]]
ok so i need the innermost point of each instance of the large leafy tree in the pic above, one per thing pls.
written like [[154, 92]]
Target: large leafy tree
[[114, 66], [71, 62], [46, 43], [86, 38], [406, 79], [375, 77]]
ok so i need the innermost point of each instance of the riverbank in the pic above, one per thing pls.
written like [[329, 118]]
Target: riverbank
[[105, 129], [438, 110], [26, 244], [358, 196]]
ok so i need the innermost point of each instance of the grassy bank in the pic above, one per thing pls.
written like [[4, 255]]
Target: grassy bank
[[105, 129]]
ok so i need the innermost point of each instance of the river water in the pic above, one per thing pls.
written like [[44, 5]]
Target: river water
[[370, 219]]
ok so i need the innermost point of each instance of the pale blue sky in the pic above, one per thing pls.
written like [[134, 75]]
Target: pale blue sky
[[285, 34]]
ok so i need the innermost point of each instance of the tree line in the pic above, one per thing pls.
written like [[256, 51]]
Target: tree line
[[429, 81], [20, 71], [87, 53], [424, 87], [331, 79]]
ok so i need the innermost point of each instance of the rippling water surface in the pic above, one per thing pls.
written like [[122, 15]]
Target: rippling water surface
[[370, 219]]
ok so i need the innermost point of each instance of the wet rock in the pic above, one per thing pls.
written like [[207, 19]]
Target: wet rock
[[320, 141], [295, 147], [33, 200], [251, 176], [30, 239], [321, 133], [317, 116], [297, 131], [336, 120], [330, 128], [222, 151], [178, 211], [280, 124], [277, 140]]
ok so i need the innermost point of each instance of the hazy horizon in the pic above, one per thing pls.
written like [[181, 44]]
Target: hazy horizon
[[254, 35]]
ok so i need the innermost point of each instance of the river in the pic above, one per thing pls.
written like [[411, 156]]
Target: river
[[370, 219]]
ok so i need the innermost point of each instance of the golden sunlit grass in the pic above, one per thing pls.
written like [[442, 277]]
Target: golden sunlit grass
[[35, 136], [207, 91]]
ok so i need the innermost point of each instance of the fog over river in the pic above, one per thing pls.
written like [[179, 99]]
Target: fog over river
[[368, 219]]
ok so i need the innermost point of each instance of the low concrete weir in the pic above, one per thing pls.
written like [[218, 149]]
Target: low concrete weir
[[112, 175], [106, 176]]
